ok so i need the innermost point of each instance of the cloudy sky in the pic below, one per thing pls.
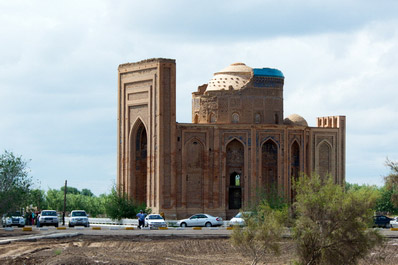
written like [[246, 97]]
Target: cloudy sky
[[59, 60]]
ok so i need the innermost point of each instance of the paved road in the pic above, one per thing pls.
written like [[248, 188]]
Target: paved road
[[52, 232]]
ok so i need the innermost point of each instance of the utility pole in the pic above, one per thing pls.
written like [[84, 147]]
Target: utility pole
[[63, 215]]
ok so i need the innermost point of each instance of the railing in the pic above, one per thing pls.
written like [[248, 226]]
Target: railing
[[127, 222]]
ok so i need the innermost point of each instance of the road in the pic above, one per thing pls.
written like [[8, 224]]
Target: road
[[17, 234]]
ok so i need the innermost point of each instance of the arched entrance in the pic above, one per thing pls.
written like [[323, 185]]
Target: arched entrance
[[235, 168], [140, 164]]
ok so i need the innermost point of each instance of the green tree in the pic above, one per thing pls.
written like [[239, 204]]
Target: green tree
[[263, 232], [391, 181], [87, 192], [55, 199], [76, 200], [384, 203], [15, 182], [37, 198], [118, 205], [70, 190], [332, 225]]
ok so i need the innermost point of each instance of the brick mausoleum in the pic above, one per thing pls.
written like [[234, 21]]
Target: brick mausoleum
[[239, 141]]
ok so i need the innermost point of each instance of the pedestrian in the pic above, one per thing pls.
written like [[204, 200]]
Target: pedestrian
[[141, 219], [27, 217], [33, 218], [38, 219]]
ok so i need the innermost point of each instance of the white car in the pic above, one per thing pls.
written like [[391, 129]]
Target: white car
[[155, 221], [394, 222], [48, 217], [201, 220], [78, 217], [239, 219], [12, 219]]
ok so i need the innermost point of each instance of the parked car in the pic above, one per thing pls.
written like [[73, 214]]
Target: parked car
[[239, 219], [155, 221], [13, 219], [381, 221], [394, 222], [201, 220], [48, 217], [78, 217]]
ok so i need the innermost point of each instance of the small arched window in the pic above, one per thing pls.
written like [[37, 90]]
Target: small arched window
[[257, 118], [235, 117], [235, 179], [212, 118]]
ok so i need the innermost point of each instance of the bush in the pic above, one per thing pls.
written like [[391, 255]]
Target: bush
[[263, 232], [118, 205], [332, 225]]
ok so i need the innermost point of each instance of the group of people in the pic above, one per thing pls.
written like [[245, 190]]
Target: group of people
[[31, 217]]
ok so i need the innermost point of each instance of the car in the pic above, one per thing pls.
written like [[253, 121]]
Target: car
[[394, 222], [201, 219], [48, 217], [155, 221], [13, 219], [381, 221], [239, 219], [78, 217]]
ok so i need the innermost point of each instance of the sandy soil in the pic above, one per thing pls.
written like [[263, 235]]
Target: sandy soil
[[151, 250]]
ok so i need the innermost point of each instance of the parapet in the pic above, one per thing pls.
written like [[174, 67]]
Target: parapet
[[330, 122]]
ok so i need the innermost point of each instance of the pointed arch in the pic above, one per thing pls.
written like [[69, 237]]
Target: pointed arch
[[294, 166], [269, 166], [194, 168], [324, 158], [138, 162], [235, 160]]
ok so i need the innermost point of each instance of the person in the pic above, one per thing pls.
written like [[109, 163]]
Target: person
[[141, 219], [162, 214], [38, 219]]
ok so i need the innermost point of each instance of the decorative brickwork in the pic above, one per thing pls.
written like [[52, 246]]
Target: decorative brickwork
[[238, 143]]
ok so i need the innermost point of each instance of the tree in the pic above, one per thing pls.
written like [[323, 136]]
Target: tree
[[391, 181], [37, 198], [263, 232], [87, 192], [119, 206], [76, 200], [15, 182], [332, 225]]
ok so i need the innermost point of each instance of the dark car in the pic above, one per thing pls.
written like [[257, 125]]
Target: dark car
[[381, 221]]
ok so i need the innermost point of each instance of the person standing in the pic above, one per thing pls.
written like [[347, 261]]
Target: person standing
[[141, 219]]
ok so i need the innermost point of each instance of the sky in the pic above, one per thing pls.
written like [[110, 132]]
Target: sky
[[59, 60]]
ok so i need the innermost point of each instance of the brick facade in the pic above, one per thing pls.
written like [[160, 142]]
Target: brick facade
[[238, 142]]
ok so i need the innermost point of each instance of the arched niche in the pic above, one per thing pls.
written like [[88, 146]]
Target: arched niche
[[194, 168], [269, 166], [139, 166], [234, 168], [294, 167]]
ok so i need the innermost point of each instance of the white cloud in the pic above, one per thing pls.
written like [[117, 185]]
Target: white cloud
[[58, 95]]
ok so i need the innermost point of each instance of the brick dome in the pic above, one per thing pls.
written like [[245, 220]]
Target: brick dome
[[295, 120]]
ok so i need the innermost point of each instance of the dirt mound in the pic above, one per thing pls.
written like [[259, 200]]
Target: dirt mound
[[151, 250]]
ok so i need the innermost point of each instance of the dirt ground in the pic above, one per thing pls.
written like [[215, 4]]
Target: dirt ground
[[151, 250]]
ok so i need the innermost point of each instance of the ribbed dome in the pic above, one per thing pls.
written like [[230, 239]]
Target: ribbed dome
[[232, 77], [237, 68], [295, 120]]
